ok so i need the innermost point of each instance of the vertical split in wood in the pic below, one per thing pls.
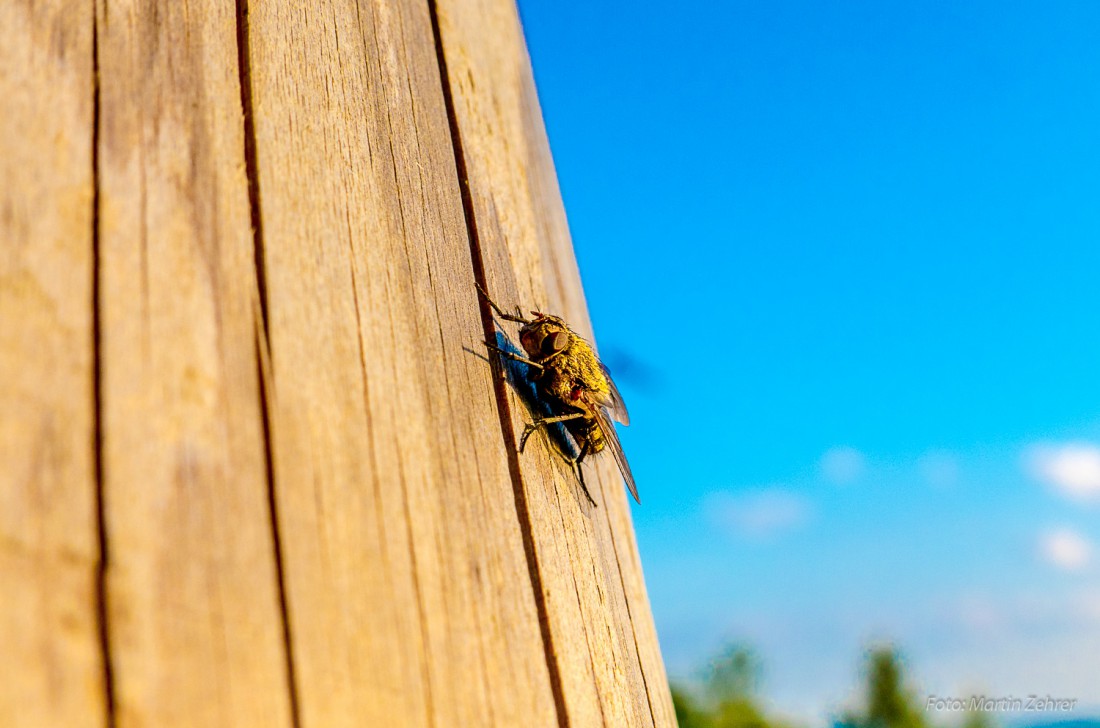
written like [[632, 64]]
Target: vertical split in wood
[[263, 346], [263, 374], [523, 512], [244, 71], [102, 611], [195, 629]]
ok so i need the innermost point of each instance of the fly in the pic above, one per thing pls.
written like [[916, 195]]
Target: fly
[[570, 378]]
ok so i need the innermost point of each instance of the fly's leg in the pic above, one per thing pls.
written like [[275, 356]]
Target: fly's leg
[[543, 422], [518, 318], [513, 357], [576, 463]]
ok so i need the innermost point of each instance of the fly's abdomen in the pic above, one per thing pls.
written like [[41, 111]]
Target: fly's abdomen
[[595, 437], [587, 430]]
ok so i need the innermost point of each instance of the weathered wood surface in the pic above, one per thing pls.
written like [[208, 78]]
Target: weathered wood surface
[[286, 435], [195, 627], [49, 546]]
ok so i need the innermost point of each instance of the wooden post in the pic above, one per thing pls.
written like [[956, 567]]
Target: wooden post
[[254, 466]]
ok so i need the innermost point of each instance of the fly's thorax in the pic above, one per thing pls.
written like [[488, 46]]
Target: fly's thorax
[[570, 366], [583, 366]]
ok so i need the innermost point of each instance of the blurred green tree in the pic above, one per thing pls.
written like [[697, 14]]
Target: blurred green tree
[[728, 698], [890, 703], [978, 719], [688, 712]]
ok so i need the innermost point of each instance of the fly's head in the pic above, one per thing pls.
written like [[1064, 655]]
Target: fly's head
[[544, 336]]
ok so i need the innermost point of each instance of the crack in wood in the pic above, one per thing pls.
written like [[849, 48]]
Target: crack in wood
[[523, 512], [265, 372], [101, 595]]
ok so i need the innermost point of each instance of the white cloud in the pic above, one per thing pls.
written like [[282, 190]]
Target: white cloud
[[843, 465], [763, 514], [1066, 549], [1072, 469], [939, 469]]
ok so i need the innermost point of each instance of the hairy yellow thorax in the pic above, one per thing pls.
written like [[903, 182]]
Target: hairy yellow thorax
[[568, 369]]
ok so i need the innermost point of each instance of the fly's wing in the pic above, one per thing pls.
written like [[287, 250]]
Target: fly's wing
[[611, 439], [615, 405]]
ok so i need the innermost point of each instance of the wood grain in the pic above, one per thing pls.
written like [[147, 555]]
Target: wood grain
[[49, 548], [195, 627], [600, 622], [266, 476], [408, 589]]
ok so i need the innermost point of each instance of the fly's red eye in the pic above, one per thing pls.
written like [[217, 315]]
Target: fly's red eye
[[555, 342]]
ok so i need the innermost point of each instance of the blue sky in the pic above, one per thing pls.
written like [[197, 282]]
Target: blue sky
[[843, 258]]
